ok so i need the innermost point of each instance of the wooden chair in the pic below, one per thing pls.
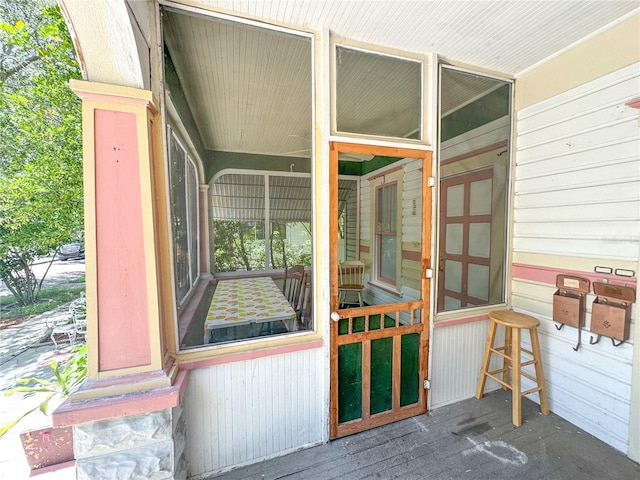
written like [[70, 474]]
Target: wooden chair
[[305, 305], [293, 284], [350, 280]]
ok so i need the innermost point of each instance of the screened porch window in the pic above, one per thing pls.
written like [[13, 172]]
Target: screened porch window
[[261, 221], [184, 217], [475, 129]]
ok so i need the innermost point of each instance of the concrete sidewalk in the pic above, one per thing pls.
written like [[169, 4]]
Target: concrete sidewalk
[[22, 354]]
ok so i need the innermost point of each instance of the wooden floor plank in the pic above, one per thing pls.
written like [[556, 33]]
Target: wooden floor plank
[[472, 439]]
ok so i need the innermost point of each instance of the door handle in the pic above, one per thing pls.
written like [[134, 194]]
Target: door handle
[[441, 264], [335, 316]]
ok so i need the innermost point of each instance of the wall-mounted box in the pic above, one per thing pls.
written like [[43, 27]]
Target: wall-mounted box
[[569, 300], [611, 310]]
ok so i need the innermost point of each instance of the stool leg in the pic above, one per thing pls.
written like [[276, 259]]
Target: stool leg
[[506, 360], [515, 378], [535, 348], [487, 357]]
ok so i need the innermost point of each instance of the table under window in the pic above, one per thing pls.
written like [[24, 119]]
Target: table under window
[[244, 301]]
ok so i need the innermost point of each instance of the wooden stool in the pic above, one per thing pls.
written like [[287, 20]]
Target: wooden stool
[[511, 352]]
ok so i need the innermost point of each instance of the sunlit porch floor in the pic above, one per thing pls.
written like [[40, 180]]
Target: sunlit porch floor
[[472, 439]]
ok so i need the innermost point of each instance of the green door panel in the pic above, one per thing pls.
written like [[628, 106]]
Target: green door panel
[[381, 375], [349, 382], [409, 369]]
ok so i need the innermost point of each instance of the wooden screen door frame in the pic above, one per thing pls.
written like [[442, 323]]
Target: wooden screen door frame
[[420, 308]]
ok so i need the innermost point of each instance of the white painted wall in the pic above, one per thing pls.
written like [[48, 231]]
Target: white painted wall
[[457, 352], [577, 200], [249, 410], [577, 173]]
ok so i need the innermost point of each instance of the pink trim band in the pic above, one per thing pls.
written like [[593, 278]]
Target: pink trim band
[[252, 355], [461, 321], [537, 273]]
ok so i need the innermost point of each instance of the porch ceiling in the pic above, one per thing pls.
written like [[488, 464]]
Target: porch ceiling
[[238, 98]]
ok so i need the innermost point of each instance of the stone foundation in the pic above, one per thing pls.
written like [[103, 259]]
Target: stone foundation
[[145, 446]]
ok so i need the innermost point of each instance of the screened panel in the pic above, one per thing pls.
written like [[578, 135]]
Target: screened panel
[[183, 192], [475, 130], [378, 94]]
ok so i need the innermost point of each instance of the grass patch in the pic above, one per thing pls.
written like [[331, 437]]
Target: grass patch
[[49, 299], [76, 280]]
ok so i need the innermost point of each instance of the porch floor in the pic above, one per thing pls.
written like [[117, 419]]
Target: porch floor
[[472, 439]]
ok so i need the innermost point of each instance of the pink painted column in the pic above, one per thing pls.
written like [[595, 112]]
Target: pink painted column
[[126, 238]]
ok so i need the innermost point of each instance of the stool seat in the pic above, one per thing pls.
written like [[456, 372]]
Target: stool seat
[[512, 319], [511, 353]]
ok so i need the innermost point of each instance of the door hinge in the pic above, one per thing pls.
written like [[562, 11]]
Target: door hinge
[[428, 273], [427, 385], [431, 181]]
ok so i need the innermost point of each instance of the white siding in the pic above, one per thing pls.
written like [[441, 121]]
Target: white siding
[[577, 195], [245, 411], [352, 246], [412, 203], [489, 134], [457, 353], [578, 172]]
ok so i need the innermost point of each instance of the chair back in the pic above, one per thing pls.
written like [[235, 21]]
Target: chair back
[[305, 304], [293, 284], [351, 275]]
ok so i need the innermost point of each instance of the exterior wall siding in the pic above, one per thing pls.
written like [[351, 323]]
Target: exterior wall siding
[[457, 350], [352, 226], [577, 205], [249, 410]]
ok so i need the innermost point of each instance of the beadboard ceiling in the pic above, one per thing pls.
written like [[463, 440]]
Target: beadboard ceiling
[[249, 89]]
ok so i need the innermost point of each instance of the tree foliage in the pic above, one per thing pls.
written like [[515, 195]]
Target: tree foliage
[[241, 246], [41, 149]]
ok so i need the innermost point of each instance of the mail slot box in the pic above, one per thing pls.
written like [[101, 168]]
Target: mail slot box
[[569, 300], [611, 310]]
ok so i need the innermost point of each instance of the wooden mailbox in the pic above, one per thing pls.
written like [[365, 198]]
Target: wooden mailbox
[[569, 300], [611, 311]]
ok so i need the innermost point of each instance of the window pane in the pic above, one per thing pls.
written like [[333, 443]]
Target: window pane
[[192, 197], [453, 276], [239, 246], [454, 239], [378, 94], [388, 257], [290, 215], [238, 213], [177, 173], [480, 239], [480, 197], [478, 285], [455, 201], [393, 207]]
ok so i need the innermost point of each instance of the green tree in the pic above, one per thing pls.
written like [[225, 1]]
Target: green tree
[[41, 151]]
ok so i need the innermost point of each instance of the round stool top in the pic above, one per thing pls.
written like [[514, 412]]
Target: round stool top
[[509, 318]]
